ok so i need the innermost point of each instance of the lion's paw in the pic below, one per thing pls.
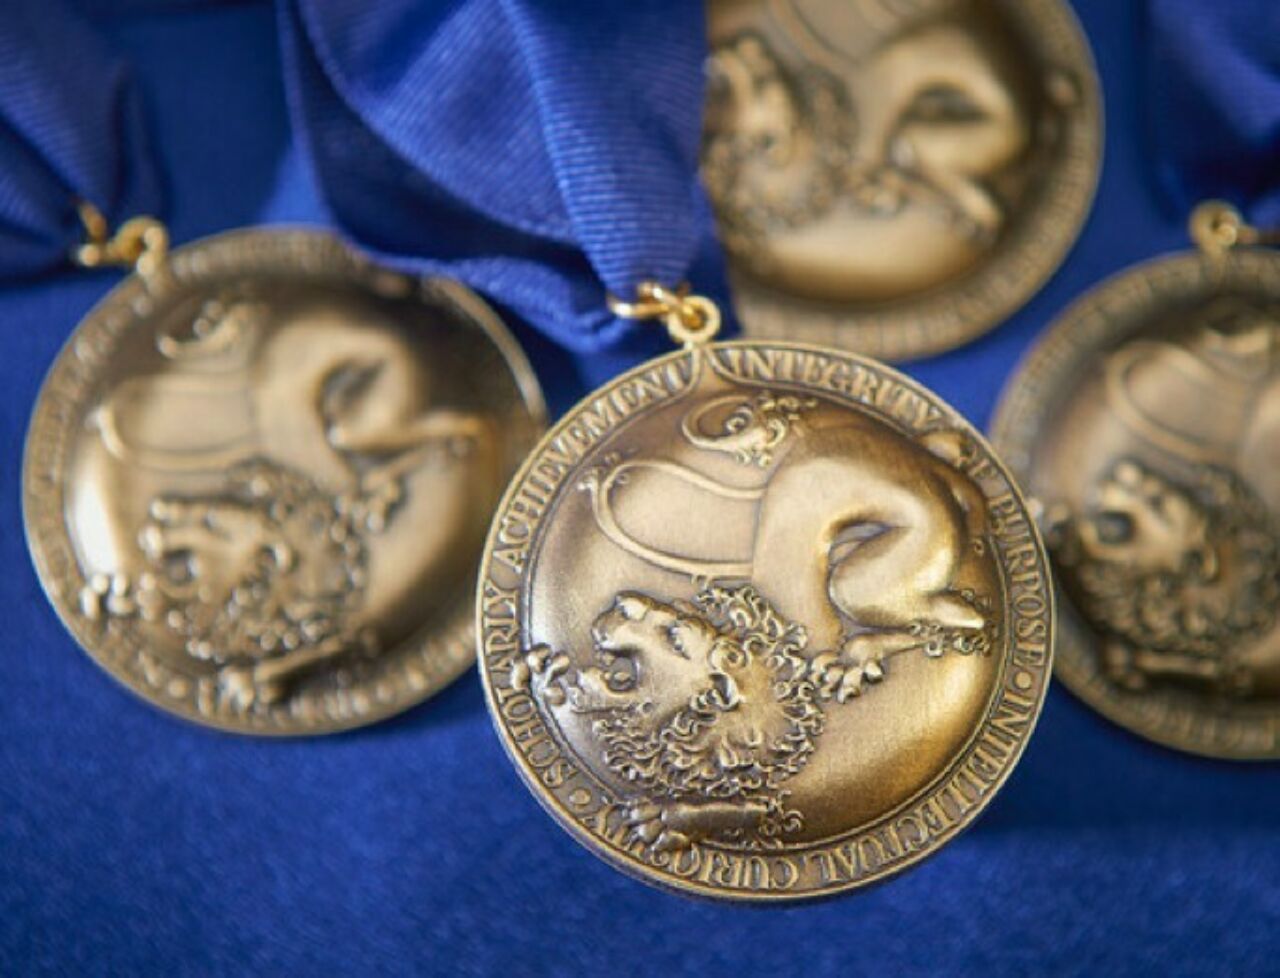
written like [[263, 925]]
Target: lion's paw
[[244, 689], [238, 687], [672, 826], [847, 674], [552, 678], [648, 823], [936, 639], [542, 673], [1119, 666]]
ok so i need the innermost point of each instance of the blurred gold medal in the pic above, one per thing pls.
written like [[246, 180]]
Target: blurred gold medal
[[896, 177], [1147, 425], [258, 477]]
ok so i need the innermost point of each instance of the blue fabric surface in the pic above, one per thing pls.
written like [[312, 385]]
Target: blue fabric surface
[[132, 844], [72, 127], [1213, 74], [509, 123]]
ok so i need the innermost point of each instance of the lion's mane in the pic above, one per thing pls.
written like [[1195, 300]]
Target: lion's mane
[[694, 754], [296, 593], [1169, 611]]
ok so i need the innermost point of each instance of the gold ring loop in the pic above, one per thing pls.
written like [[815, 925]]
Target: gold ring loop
[[1217, 226], [141, 243], [691, 320]]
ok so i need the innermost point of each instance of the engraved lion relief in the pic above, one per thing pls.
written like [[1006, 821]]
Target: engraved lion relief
[[1174, 553], [1177, 577], [707, 707], [251, 477], [873, 149]]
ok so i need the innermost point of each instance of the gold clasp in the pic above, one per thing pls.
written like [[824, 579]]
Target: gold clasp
[[141, 243], [1216, 227], [691, 320]]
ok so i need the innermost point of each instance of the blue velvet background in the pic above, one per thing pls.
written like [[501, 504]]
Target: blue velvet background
[[133, 844]]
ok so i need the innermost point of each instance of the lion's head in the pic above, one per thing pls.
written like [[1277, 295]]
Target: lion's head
[[271, 567], [775, 146], [712, 700], [1179, 569], [664, 654]]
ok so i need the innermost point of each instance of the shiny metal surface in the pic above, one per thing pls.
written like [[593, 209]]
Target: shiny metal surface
[[896, 177], [764, 621], [1146, 424], [257, 480]]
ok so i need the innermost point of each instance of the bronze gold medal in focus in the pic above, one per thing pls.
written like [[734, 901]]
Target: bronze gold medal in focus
[[761, 620], [896, 177], [259, 475], [1146, 424]]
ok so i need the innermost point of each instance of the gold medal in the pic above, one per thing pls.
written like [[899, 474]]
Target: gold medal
[[761, 620], [896, 177], [1147, 425], [259, 474]]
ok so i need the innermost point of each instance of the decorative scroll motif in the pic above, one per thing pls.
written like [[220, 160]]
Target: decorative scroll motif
[[752, 430]]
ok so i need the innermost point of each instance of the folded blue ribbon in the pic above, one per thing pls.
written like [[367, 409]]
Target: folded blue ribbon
[[1213, 98], [71, 127], [541, 152]]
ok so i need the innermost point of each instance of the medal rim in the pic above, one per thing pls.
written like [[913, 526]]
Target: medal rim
[[1015, 423], [766, 312], [669, 882], [356, 269]]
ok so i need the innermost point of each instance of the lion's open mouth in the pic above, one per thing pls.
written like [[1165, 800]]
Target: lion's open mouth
[[618, 670], [1112, 526]]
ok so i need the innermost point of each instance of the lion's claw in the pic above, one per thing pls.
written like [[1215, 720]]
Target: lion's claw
[[542, 669], [844, 678], [671, 841], [238, 687], [244, 688], [858, 676], [648, 824], [645, 822]]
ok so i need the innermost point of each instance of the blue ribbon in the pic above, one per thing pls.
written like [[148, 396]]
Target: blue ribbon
[[1213, 98], [71, 126], [541, 152]]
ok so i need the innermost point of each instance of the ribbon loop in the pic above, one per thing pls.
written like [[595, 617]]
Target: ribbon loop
[[141, 242], [691, 320], [71, 128], [530, 149]]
